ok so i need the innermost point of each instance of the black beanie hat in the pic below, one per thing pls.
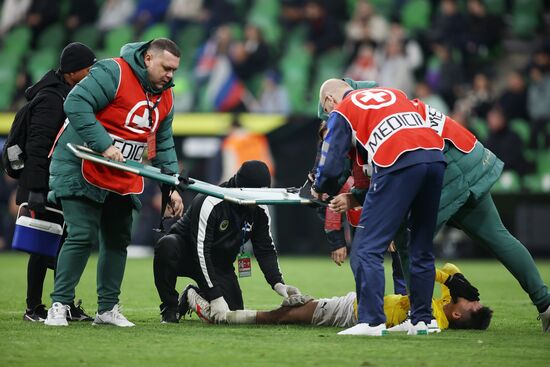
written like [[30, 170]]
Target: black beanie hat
[[253, 174], [76, 56]]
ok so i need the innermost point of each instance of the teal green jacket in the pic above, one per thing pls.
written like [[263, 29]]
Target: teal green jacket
[[468, 174], [89, 96]]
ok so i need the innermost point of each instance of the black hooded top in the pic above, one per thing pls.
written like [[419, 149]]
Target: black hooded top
[[47, 117]]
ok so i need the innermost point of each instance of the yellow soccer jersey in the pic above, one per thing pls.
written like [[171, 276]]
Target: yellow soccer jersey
[[397, 306]]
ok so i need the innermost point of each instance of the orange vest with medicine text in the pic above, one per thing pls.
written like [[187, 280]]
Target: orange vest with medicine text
[[387, 124], [129, 119]]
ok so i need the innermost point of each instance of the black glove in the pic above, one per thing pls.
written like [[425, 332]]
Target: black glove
[[461, 287], [37, 202]]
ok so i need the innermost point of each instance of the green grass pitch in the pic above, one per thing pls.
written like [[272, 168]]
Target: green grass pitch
[[514, 337]]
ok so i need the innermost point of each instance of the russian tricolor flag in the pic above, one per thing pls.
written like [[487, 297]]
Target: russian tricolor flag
[[225, 90]]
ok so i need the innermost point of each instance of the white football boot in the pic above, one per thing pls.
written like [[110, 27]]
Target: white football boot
[[57, 315], [112, 317], [419, 329], [545, 320], [365, 329], [402, 327]]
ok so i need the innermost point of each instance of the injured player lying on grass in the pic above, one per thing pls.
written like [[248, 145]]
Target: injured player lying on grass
[[448, 311]]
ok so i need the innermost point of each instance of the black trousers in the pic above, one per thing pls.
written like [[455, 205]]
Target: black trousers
[[36, 273], [173, 258]]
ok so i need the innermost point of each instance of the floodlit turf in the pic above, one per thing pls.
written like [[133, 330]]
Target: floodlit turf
[[514, 337]]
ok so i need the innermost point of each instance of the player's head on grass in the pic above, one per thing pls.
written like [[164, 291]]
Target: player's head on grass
[[465, 314]]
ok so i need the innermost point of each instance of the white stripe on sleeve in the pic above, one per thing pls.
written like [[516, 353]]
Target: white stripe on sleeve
[[206, 208]]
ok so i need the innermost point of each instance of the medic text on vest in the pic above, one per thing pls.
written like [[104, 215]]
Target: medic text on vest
[[390, 125], [131, 150], [436, 119]]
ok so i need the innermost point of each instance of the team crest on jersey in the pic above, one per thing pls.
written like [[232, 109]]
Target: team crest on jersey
[[373, 99], [224, 225], [138, 119]]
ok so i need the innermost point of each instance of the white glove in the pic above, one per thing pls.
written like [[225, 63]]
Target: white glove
[[286, 290], [219, 310], [296, 300]]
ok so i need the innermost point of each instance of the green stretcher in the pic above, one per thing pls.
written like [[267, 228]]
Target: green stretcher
[[241, 196]]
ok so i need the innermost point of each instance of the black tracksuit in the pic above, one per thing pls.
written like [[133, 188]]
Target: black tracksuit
[[204, 245], [47, 117]]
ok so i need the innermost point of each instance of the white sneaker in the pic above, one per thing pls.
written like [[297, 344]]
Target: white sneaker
[[433, 327], [113, 317], [419, 329], [365, 329], [545, 320], [404, 326], [57, 315]]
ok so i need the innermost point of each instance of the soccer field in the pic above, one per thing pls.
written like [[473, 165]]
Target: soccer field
[[514, 337]]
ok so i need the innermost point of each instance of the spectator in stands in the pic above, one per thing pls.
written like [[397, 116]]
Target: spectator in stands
[[363, 66], [445, 76], [395, 70], [40, 15], [13, 13], [364, 27], [483, 30], [411, 47], [505, 143], [181, 13], [115, 13], [538, 106], [81, 13], [217, 13], [323, 31], [479, 99], [273, 97], [292, 14], [513, 100], [22, 82], [425, 93], [251, 56], [148, 12], [449, 26]]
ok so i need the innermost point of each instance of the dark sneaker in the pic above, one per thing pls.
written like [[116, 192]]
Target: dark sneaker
[[183, 302], [169, 315], [77, 313], [37, 314]]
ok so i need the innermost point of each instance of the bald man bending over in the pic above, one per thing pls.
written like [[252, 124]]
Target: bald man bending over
[[403, 155]]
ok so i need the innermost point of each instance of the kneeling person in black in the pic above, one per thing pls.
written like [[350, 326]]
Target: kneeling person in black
[[204, 244]]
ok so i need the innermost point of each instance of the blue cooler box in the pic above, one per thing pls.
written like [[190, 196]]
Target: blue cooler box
[[37, 236]]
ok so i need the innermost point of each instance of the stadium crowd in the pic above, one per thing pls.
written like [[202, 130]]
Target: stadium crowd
[[486, 63]]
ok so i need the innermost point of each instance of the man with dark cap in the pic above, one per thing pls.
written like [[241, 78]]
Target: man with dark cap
[[204, 244], [46, 118]]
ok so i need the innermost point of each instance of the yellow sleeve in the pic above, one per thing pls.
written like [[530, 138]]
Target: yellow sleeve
[[441, 276]]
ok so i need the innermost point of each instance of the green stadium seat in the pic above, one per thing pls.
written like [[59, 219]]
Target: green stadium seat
[[189, 40], [88, 35], [522, 128], [156, 31], [116, 38], [524, 24], [415, 15], [53, 38], [532, 7], [270, 28], [267, 8], [40, 62], [383, 7], [479, 128], [8, 74], [495, 7], [17, 41], [537, 183], [509, 182], [295, 80], [543, 162]]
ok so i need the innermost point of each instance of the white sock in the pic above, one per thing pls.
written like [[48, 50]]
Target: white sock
[[241, 317]]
